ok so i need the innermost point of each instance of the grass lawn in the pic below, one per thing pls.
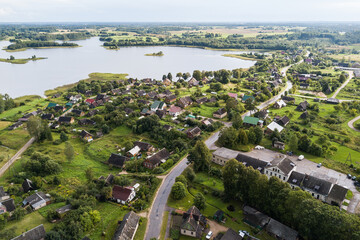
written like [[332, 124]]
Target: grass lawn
[[14, 139], [31, 104], [110, 215], [43, 211], [4, 124], [350, 91], [211, 182], [182, 204], [30, 221], [140, 233]]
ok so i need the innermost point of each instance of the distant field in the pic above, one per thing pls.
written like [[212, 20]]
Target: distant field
[[350, 57]]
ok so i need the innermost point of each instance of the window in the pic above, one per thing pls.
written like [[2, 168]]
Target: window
[[280, 176], [312, 194], [192, 233], [270, 173], [267, 172], [275, 174], [318, 196], [184, 231], [284, 178]]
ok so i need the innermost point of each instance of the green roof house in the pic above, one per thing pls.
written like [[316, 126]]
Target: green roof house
[[51, 105], [250, 121], [157, 105]]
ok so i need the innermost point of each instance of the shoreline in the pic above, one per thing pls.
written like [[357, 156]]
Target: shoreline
[[24, 49]]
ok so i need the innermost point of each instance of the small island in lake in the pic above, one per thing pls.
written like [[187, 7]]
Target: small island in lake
[[23, 45], [13, 60], [158, 54]]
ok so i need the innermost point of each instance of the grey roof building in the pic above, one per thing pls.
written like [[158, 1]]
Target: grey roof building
[[127, 228], [37, 233]]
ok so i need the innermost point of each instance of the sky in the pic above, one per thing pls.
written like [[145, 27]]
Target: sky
[[237, 11]]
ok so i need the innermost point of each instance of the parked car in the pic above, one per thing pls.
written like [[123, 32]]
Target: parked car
[[319, 165], [301, 157], [353, 178], [357, 184], [243, 233], [208, 236], [258, 147], [349, 176], [289, 153]]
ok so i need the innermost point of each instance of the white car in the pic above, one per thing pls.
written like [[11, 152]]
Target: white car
[[208, 236], [258, 147], [301, 157]]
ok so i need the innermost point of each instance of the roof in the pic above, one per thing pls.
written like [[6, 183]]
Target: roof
[[284, 120], [84, 133], [192, 218], [284, 164], [262, 113], [135, 150], [338, 193], [65, 119], [64, 209], [231, 235], [273, 125], [27, 185], [254, 217], [280, 230], [117, 160], [50, 105], [36, 198], [127, 228], [194, 131], [233, 95], [9, 204], [225, 153], [144, 146], [333, 100], [156, 104], [175, 109], [296, 178], [246, 97], [251, 120], [252, 162], [37, 233], [2, 192], [304, 115], [220, 111], [302, 105], [163, 154], [121, 193], [289, 99], [281, 103], [317, 185]]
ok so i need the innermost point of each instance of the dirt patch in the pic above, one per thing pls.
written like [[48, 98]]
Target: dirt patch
[[216, 228], [317, 94]]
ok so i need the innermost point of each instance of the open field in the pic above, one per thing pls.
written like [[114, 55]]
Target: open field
[[20, 60], [350, 57], [32, 103]]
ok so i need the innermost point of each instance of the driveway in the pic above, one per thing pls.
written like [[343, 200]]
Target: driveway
[[351, 124], [351, 74]]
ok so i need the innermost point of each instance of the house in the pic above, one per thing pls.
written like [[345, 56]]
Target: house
[[250, 121], [86, 136], [117, 160], [48, 116], [279, 145], [279, 104], [263, 114], [219, 215], [255, 218], [89, 101], [249, 161], [193, 82], [161, 113], [302, 106], [37, 233], [233, 95], [156, 159], [332, 101], [230, 234], [166, 82], [133, 152], [271, 128], [27, 185], [283, 121], [304, 115], [175, 111], [281, 231], [168, 127], [128, 227], [151, 94], [287, 99], [108, 180], [202, 100], [222, 155], [64, 209], [123, 194], [208, 122], [220, 113], [304, 85], [15, 125], [193, 132], [37, 200], [51, 105], [170, 99], [337, 195], [66, 120], [86, 121], [7, 205], [157, 105], [280, 167], [144, 146], [59, 108], [246, 97], [3, 194], [193, 223], [78, 112], [185, 101]]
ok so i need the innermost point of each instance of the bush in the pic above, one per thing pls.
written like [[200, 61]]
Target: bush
[[231, 208], [178, 191], [181, 179], [158, 170], [189, 174]]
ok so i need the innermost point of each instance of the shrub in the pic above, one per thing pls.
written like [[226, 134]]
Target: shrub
[[178, 191]]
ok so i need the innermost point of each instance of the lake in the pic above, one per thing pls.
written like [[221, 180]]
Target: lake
[[69, 65]]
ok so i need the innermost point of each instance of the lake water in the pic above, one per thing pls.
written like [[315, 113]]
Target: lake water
[[68, 65]]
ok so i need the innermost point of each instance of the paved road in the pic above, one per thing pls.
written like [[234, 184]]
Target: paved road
[[351, 75], [351, 124], [16, 156], [159, 204]]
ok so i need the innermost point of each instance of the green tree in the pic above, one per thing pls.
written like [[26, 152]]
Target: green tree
[[178, 191], [227, 137], [259, 134], [89, 174], [201, 156], [63, 136], [122, 180], [69, 151], [35, 127], [18, 213], [293, 143], [243, 137], [237, 120], [197, 75], [169, 76], [181, 179], [189, 174], [199, 201]]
